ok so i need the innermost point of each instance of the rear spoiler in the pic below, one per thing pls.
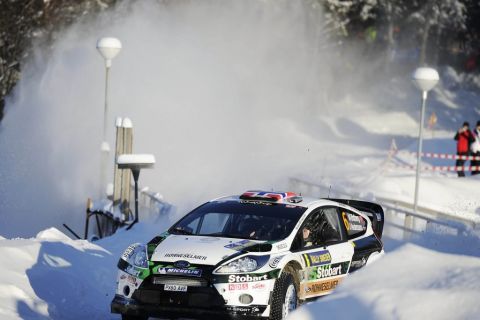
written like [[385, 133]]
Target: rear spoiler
[[373, 210]]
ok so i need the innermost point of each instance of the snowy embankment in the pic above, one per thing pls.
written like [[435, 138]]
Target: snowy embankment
[[411, 282], [53, 277]]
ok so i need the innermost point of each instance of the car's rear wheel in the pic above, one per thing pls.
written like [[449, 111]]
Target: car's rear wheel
[[284, 297], [128, 317]]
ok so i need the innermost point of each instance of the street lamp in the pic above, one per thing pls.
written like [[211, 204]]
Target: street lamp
[[135, 162], [108, 48], [425, 79]]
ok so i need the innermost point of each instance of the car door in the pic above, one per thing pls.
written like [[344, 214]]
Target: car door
[[324, 250], [365, 242]]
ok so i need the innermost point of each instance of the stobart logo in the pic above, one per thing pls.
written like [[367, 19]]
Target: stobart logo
[[325, 271], [246, 278]]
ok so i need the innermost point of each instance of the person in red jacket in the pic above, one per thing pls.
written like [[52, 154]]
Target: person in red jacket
[[475, 149], [464, 138]]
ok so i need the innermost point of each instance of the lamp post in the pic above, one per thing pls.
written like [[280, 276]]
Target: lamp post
[[425, 79], [135, 162], [108, 48]]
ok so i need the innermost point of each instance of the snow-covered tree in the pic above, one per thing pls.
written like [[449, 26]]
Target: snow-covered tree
[[439, 16], [22, 21]]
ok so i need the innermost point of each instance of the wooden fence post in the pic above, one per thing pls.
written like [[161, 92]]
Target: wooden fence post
[[122, 177], [126, 174], [117, 173]]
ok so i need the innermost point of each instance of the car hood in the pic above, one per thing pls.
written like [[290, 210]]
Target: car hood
[[199, 250]]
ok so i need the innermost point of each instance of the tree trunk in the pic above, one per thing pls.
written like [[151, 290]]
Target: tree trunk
[[423, 48]]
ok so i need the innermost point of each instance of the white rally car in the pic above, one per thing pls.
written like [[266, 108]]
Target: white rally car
[[260, 255]]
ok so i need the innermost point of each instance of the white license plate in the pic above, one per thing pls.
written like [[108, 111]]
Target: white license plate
[[175, 287]]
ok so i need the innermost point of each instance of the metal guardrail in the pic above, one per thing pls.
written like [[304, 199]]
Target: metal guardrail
[[109, 218], [429, 216], [154, 202]]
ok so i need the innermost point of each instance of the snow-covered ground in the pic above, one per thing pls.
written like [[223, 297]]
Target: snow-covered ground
[[221, 118]]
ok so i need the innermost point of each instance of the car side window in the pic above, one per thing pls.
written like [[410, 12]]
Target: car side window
[[354, 223], [321, 228]]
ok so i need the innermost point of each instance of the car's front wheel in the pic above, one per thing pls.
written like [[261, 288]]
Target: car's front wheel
[[284, 297]]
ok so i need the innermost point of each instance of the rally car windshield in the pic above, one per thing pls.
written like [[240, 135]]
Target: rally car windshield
[[244, 219]]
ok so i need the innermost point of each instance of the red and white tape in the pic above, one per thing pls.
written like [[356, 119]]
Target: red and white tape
[[440, 168], [444, 156], [394, 151]]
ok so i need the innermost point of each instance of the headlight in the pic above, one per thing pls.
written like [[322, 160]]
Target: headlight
[[244, 264], [136, 254]]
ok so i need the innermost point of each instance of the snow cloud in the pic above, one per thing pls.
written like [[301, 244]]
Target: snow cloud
[[225, 94]]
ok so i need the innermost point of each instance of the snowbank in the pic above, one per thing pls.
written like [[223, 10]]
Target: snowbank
[[54, 277], [409, 283]]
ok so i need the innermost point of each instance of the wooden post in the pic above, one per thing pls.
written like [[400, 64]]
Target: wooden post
[[122, 177], [117, 173], [408, 227], [126, 174]]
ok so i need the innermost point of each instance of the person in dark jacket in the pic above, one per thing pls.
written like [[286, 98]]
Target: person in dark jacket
[[464, 138], [475, 149]]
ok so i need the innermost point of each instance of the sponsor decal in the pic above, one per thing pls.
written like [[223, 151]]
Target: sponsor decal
[[246, 310], [326, 271], [129, 251], [182, 264], [246, 278], [359, 263], [237, 286], [273, 263], [185, 256], [319, 287], [353, 222], [259, 286], [178, 271], [255, 202], [317, 258], [239, 246], [235, 278], [282, 246]]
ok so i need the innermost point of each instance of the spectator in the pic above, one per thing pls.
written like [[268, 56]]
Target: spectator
[[464, 138], [475, 149]]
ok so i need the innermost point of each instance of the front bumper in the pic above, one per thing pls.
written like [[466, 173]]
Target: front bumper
[[208, 296], [132, 307]]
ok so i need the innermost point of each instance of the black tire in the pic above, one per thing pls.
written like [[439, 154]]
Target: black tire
[[128, 317], [277, 306]]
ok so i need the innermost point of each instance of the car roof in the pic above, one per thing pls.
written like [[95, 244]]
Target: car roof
[[306, 202]]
